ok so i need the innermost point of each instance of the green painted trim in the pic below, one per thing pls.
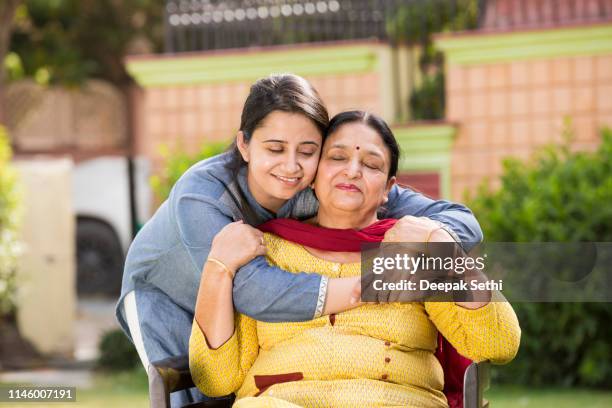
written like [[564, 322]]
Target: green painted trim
[[486, 48], [427, 148], [251, 65]]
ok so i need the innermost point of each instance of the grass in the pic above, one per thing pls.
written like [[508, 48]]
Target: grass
[[124, 389], [129, 389], [521, 397]]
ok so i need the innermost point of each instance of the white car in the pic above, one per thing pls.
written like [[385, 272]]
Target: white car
[[103, 207]]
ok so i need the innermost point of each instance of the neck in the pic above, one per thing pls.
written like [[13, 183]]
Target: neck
[[265, 200], [344, 219]]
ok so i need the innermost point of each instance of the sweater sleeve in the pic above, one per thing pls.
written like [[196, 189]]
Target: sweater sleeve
[[261, 291], [459, 218], [491, 332], [221, 371]]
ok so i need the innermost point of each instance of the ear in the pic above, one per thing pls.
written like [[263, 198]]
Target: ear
[[243, 146], [390, 184]]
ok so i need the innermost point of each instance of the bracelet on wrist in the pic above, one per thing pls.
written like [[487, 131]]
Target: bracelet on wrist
[[222, 265]]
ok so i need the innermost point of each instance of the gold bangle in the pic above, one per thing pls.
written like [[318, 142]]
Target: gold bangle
[[429, 237], [431, 233], [222, 265]]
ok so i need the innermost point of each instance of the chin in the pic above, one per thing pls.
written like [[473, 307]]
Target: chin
[[284, 193], [348, 206]]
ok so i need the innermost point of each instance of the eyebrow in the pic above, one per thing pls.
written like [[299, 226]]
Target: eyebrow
[[285, 142], [343, 146]]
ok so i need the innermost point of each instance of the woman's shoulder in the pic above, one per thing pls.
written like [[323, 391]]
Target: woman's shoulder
[[275, 243], [209, 177], [294, 257]]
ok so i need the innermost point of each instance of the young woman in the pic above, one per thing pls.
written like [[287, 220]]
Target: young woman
[[376, 355], [281, 133]]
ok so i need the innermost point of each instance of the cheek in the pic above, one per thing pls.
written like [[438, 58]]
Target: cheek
[[263, 161], [310, 167], [323, 179], [376, 186]]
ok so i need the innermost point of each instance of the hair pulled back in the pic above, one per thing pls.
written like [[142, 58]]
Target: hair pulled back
[[377, 124], [283, 92]]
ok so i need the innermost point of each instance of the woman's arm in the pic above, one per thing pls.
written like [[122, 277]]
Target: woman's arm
[[233, 246], [219, 356], [457, 217], [342, 294], [221, 371], [261, 291], [490, 332], [214, 311]]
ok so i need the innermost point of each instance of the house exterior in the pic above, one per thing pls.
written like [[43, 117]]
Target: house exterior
[[528, 72]]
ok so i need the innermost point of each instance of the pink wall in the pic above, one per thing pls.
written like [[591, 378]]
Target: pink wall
[[190, 115], [509, 109]]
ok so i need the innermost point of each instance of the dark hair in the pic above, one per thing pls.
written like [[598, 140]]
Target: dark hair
[[375, 122], [284, 92]]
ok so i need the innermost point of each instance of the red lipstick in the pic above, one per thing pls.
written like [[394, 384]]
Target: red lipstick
[[348, 187]]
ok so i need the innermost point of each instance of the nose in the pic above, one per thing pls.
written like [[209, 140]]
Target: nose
[[353, 169], [292, 166]]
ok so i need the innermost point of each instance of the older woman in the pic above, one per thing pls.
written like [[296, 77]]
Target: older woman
[[373, 355]]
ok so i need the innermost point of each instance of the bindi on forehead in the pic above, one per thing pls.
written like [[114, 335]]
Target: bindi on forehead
[[357, 147]]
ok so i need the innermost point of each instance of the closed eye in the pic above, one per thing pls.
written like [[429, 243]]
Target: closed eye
[[372, 166]]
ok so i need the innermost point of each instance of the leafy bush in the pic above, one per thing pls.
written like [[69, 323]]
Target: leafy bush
[[427, 101], [117, 352], [177, 162], [415, 21], [9, 223], [564, 196]]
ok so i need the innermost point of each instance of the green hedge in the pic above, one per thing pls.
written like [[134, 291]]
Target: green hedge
[[563, 196], [176, 162], [9, 223], [117, 352]]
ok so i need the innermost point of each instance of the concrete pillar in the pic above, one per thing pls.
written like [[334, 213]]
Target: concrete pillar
[[46, 275]]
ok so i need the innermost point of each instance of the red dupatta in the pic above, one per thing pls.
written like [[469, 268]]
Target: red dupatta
[[351, 240], [328, 239]]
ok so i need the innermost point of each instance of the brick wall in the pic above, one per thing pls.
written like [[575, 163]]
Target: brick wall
[[190, 115], [175, 109], [510, 108]]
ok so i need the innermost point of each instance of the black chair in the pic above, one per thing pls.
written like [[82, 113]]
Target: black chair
[[172, 374]]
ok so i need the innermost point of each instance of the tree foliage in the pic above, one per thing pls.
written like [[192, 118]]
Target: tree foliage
[[415, 23], [9, 223], [564, 196], [68, 41], [176, 162]]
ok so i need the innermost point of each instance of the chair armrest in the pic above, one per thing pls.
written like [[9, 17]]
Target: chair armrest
[[166, 376], [475, 382], [172, 374]]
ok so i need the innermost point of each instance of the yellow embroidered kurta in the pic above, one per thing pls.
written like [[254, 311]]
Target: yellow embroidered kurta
[[378, 355]]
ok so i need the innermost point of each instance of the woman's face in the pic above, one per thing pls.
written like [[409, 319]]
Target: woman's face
[[282, 157], [353, 171]]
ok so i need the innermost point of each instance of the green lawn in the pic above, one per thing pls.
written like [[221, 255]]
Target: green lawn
[[125, 389], [129, 389], [519, 397]]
